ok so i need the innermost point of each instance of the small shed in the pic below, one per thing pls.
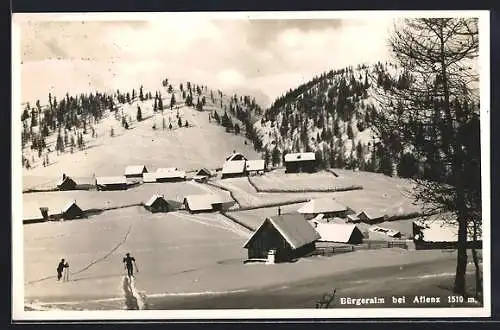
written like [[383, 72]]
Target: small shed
[[328, 206], [149, 177], [157, 204], [254, 166], [71, 211], [339, 233], [236, 156], [170, 176], [66, 183], [204, 172], [135, 171], [289, 236], [111, 183], [377, 233], [233, 168], [366, 217], [300, 162]]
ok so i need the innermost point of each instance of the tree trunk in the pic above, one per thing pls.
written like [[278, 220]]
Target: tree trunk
[[459, 286], [479, 281]]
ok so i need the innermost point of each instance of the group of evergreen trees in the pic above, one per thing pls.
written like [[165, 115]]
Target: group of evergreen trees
[[245, 110], [71, 117], [337, 106]]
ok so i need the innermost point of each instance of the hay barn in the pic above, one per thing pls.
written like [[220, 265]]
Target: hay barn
[[111, 183]]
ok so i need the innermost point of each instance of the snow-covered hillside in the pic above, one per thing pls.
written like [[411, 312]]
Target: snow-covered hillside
[[109, 146], [332, 115]]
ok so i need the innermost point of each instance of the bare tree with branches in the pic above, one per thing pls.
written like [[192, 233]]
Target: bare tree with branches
[[432, 113]]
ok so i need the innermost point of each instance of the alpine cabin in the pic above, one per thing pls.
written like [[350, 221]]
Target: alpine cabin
[[284, 237]]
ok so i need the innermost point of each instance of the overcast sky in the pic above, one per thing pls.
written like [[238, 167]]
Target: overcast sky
[[271, 56]]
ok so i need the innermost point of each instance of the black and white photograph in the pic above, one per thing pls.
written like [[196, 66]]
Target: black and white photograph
[[229, 165]]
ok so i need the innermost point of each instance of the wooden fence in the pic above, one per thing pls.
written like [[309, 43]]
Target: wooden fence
[[367, 245]]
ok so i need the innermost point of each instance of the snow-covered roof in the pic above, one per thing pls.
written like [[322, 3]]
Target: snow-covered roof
[[292, 227], [370, 215], [153, 199], [236, 156], [62, 180], [300, 156], [385, 231], [233, 167], [170, 174], [166, 169], [103, 180], [135, 169], [69, 205], [204, 171], [149, 177], [204, 202], [255, 165], [335, 232], [321, 205], [352, 217]]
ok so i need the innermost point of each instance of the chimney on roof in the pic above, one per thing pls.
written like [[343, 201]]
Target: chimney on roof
[[279, 210], [64, 176]]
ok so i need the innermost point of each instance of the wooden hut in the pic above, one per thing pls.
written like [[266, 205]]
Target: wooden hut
[[287, 237], [300, 162], [157, 204], [71, 211]]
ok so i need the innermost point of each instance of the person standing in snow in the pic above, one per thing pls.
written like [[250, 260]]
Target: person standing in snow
[[60, 268], [129, 265]]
